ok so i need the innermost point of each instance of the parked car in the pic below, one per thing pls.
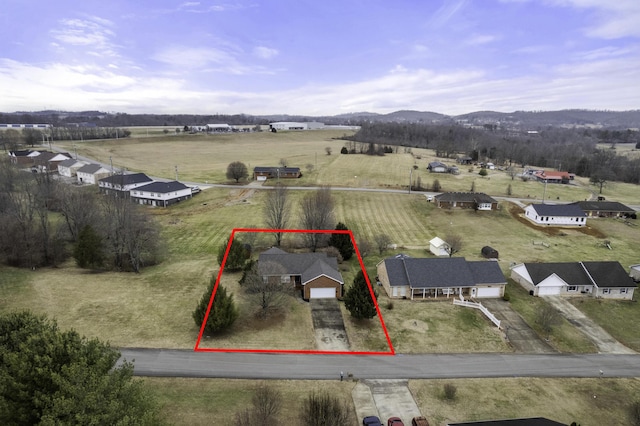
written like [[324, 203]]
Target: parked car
[[419, 421], [371, 421], [395, 421]]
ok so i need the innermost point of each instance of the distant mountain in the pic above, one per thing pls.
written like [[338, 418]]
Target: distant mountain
[[529, 120]]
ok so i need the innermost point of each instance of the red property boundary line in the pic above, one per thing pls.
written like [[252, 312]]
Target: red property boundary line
[[197, 347]]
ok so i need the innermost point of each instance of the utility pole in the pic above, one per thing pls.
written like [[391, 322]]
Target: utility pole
[[111, 161], [176, 172], [410, 179]]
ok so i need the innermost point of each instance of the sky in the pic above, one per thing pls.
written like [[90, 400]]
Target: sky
[[319, 57]]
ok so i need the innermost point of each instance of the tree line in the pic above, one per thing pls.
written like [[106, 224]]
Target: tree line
[[44, 221], [573, 150]]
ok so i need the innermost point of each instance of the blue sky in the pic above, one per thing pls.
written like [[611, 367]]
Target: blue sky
[[319, 57]]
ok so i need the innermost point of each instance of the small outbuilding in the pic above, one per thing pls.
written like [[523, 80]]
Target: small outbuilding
[[489, 252]]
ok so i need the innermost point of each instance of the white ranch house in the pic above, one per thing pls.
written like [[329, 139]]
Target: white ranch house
[[91, 173], [569, 215]]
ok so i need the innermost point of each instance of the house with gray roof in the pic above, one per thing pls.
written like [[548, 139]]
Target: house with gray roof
[[120, 183], [466, 200], [437, 167], [69, 168], [605, 209], [607, 280], [429, 278], [316, 275], [161, 194], [91, 173], [563, 215]]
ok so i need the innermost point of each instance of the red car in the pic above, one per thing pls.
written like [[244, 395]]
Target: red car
[[395, 421]]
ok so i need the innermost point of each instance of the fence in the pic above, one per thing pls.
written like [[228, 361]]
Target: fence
[[475, 305]]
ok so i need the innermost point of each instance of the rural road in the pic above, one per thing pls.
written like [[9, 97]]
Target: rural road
[[187, 363]]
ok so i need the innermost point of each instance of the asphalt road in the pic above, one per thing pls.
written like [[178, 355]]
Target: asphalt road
[[187, 363]]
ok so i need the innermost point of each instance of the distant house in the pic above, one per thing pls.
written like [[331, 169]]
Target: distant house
[[553, 176], [597, 279], [464, 160], [439, 247], [264, 173], [47, 162], [294, 125], [466, 200], [120, 184], [605, 209], [316, 275], [218, 128], [161, 194], [405, 277], [556, 214], [69, 168], [437, 167], [91, 173], [23, 157]]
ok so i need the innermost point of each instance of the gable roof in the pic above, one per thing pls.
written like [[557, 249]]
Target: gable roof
[[307, 265], [468, 197], [600, 274], [91, 169], [70, 163], [261, 169], [563, 210], [604, 206], [442, 272], [438, 242], [434, 164], [121, 179], [163, 187]]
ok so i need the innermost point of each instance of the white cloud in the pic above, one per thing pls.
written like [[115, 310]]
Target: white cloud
[[93, 32], [265, 52], [448, 9], [481, 39]]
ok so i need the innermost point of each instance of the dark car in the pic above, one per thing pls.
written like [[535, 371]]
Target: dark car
[[395, 421], [371, 421], [419, 421]]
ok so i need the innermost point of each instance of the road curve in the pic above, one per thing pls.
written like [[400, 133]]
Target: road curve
[[187, 363]]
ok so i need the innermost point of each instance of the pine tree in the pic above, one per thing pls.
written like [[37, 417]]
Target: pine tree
[[237, 257], [223, 309], [88, 250], [358, 299], [342, 242]]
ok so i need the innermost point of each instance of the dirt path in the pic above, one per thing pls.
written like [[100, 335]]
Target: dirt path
[[328, 325], [604, 341], [521, 337]]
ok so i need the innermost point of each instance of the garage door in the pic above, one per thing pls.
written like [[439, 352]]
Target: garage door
[[322, 293], [549, 291], [488, 292]]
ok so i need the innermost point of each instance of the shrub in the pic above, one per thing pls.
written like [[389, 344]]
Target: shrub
[[450, 391], [390, 305]]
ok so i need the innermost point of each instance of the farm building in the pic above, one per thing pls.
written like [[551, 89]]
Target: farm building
[[23, 157], [596, 279], [161, 194], [292, 125], [70, 167], [556, 214], [428, 278], [316, 275], [218, 128], [264, 173], [437, 167], [634, 272], [466, 200], [489, 252], [48, 162]]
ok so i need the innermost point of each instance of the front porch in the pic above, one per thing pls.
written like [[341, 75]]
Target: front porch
[[440, 293]]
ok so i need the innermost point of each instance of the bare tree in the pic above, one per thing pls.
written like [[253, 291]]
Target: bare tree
[[454, 243], [277, 210], [79, 208], [382, 242], [317, 214], [267, 295], [283, 162], [364, 247], [436, 187], [266, 406], [547, 317], [324, 409], [237, 170]]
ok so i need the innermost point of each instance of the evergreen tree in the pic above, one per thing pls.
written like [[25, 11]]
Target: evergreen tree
[[358, 299], [88, 250], [223, 309], [342, 242], [237, 257], [50, 376]]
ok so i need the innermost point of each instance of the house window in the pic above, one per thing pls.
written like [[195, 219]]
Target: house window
[[572, 288], [623, 291], [285, 279], [606, 290]]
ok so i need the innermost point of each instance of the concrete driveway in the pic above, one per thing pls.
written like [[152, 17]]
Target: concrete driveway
[[384, 398], [328, 325], [603, 340], [521, 337]]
